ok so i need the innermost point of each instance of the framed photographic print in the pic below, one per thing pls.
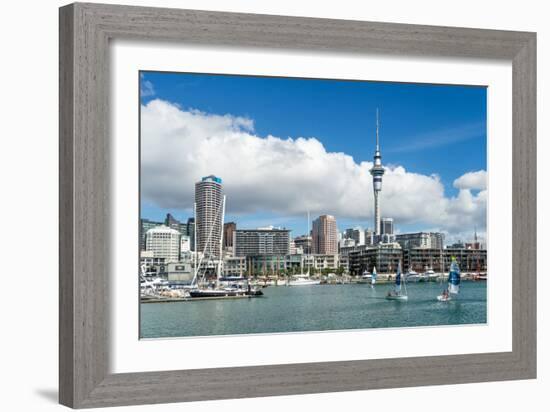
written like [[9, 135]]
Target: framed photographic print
[[260, 205]]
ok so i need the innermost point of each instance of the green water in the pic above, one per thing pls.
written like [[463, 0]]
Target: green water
[[315, 308]]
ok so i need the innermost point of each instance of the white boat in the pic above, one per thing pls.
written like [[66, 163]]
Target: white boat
[[366, 277], [453, 285], [430, 274], [373, 277], [412, 276], [303, 280], [399, 292]]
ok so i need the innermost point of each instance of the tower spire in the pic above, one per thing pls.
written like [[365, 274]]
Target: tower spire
[[377, 172], [377, 129]]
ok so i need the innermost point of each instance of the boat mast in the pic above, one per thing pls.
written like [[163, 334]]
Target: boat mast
[[307, 255], [195, 244], [221, 244], [403, 279]]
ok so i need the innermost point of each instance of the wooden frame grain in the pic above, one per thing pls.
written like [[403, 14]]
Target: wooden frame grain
[[85, 31]]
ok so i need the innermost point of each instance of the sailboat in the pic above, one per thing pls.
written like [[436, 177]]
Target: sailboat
[[218, 291], [453, 282], [399, 292], [373, 277], [304, 279]]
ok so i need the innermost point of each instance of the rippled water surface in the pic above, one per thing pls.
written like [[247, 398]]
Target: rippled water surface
[[315, 308]]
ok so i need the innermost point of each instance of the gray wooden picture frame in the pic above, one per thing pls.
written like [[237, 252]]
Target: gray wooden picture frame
[[85, 32]]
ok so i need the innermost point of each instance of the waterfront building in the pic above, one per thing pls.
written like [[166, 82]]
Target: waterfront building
[[208, 201], [469, 260], [303, 242], [179, 271], [147, 258], [385, 257], [325, 261], [325, 235], [228, 233], [263, 241], [164, 242], [272, 265], [144, 226], [377, 171], [343, 262], [234, 266], [420, 240]]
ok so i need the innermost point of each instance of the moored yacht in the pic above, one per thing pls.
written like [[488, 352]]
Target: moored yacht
[[303, 280], [430, 274], [412, 276]]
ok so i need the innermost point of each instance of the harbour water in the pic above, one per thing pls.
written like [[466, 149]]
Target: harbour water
[[316, 308]]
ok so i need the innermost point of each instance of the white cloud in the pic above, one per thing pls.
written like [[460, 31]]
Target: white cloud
[[285, 176], [472, 180], [146, 88]]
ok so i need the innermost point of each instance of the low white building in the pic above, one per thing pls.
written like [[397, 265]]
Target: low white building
[[164, 242], [179, 271]]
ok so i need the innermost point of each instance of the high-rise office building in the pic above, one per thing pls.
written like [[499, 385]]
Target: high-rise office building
[[303, 243], [325, 235], [369, 237], [175, 224], [228, 231], [386, 226], [357, 234], [209, 204], [386, 230]]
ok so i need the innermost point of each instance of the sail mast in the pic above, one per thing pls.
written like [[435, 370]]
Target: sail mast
[[307, 243], [220, 259], [195, 243]]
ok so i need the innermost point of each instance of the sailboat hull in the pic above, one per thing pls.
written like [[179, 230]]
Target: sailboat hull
[[304, 282], [219, 293], [397, 297]]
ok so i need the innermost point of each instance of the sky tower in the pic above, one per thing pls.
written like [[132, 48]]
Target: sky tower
[[377, 172]]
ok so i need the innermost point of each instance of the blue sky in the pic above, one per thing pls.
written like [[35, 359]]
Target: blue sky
[[427, 129]]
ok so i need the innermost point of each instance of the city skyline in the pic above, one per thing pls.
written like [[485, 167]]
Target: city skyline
[[451, 198]]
